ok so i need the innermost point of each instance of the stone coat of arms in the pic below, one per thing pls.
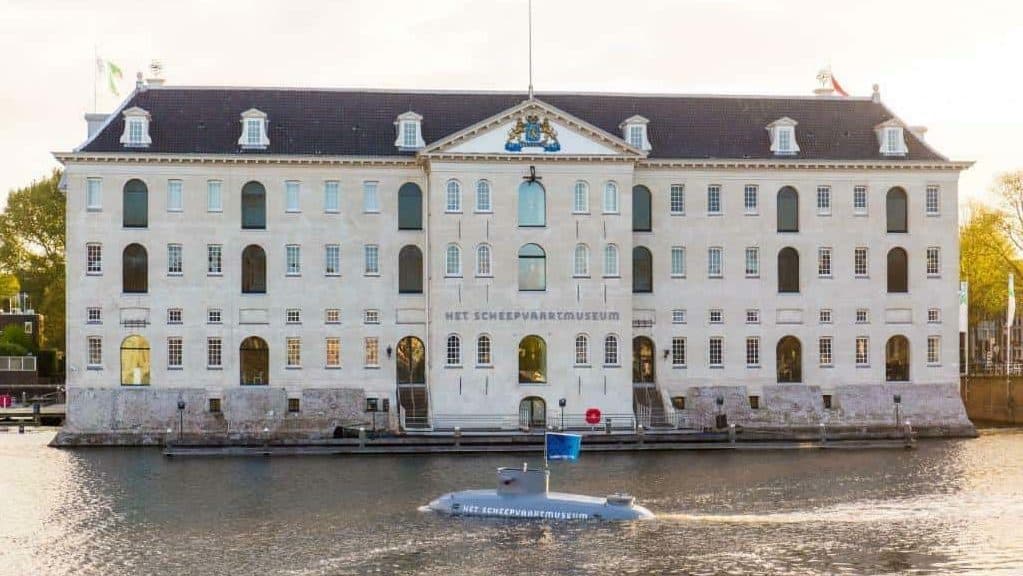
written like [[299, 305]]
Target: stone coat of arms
[[532, 133]]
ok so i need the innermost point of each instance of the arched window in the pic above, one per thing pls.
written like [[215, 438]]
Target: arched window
[[410, 359], [897, 210], [253, 206], [643, 360], [532, 268], [453, 260], [896, 359], [453, 352], [610, 350], [134, 269], [788, 210], [611, 260], [254, 362], [453, 197], [788, 270], [532, 360], [135, 361], [253, 270], [581, 198], [642, 270], [532, 204], [483, 350], [483, 203], [532, 413], [582, 350], [135, 204], [410, 270], [789, 360], [898, 271], [410, 207], [642, 211], [610, 198], [483, 265], [581, 261]]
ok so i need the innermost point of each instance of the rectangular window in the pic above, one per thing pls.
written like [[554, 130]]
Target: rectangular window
[[824, 316], [934, 315], [582, 350], [293, 260], [862, 316], [933, 261], [826, 401], [784, 140], [824, 262], [294, 346], [253, 132], [824, 350], [214, 405], [332, 196], [214, 259], [293, 316], [214, 353], [174, 315], [372, 358], [754, 402], [751, 199], [678, 261], [332, 260], [370, 201], [716, 316], [174, 264], [677, 199], [714, 262], [678, 316], [95, 350], [483, 357], [752, 352], [862, 351], [371, 254], [678, 352], [93, 258], [214, 201], [94, 315], [934, 350], [715, 351], [891, 138], [175, 351], [333, 352], [371, 316], [408, 134], [636, 136], [859, 199], [174, 196], [824, 200], [860, 262], [581, 198], [94, 194], [714, 199], [291, 196], [332, 316], [933, 202], [214, 316], [753, 316], [453, 351], [294, 405], [28, 327], [752, 262]]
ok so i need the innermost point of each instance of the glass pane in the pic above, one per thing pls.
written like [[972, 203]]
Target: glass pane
[[896, 210], [410, 207], [790, 360], [642, 360], [253, 270], [410, 270], [897, 359], [788, 210], [642, 270], [253, 206], [532, 360], [411, 361], [135, 269], [788, 270], [641, 210], [898, 280], [136, 204], [254, 357], [532, 204], [135, 361]]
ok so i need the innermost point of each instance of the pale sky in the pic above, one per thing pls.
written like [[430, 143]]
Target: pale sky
[[951, 66]]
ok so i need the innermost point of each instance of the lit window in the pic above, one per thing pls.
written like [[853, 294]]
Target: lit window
[[371, 256], [94, 194], [214, 353], [94, 315], [174, 352], [860, 199], [611, 350], [581, 261], [293, 259], [174, 315], [824, 316], [751, 199], [214, 259], [95, 351], [716, 316], [291, 196], [714, 264], [174, 196], [862, 351], [752, 352], [934, 315], [454, 350], [678, 352], [174, 264], [483, 200], [370, 200], [371, 316], [824, 262], [753, 316], [453, 261], [582, 350], [332, 196], [294, 352], [483, 264], [483, 357], [332, 260], [933, 261], [677, 199], [678, 316], [214, 316], [678, 261], [862, 316], [581, 198], [933, 201], [610, 198], [611, 261], [454, 197], [934, 350], [214, 201], [824, 350], [333, 349], [714, 199], [332, 316], [860, 262], [532, 360], [715, 351], [824, 200], [93, 258], [752, 262], [293, 316]]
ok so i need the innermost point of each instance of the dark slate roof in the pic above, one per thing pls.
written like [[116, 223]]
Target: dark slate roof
[[361, 123]]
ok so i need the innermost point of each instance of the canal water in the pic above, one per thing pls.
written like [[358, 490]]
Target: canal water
[[949, 507]]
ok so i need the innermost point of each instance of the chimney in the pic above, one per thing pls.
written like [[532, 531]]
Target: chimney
[[155, 72], [876, 96], [919, 131], [94, 121]]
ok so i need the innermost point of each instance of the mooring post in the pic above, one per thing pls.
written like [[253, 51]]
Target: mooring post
[[731, 433], [362, 436], [824, 433], [458, 435], [907, 434], [607, 425], [639, 433]]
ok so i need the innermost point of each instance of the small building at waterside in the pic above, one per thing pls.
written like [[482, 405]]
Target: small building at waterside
[[292, 261]]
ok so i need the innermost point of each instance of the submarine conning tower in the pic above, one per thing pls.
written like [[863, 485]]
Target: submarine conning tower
[[518, 481]]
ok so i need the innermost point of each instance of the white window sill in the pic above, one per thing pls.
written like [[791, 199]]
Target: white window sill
[[715, 213], [679, 367], [93, 208], [751, 214], [863, 365], [371, 274], [615, 213], [371, 211], [678, 276], [214, 210], [332, 367], [94, 367], [860, 214], [176, 368], [172, 274], [577, 213], [214, 273], [753, 275], [453, 366], [825, 276], [934, 275], [934, 364], [93, 273], [372, 366], [484, 366], [93, 322], [753, 367], [452, 211], [612, 365], [331, 211], [862, 277], [580, 276], [582, 366], [452, 275], [612, 276], [678, 213], [824, 213], [293, 274], [825, 365], [214, 367], [292, 367], [716, 366], [332, 274], [715, 276], [175, 210], [933, 214], [332, 322]]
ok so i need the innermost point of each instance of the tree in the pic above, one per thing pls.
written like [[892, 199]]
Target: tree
[[1008, 188], [32, 247], [987, 255]]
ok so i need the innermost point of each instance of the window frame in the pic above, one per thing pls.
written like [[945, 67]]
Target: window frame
[[864, 270], [175, 259], [581, 190], [371, 255], [860, 190], [331, 196], [94, 187], [825, 262], [581, 350], [679, 352], [716, 344], [370, 197], [755, 252], [612, 351], [825, 352], [453, 351], [175, 195], [581, 265], [715, 204], [932, 209], [449, 271], [332, 258], [175, 353], [677, 199], [484, 266], [612, 258], [214, 191], [751, 191], [453, 192], [824, 200], [484, 353], [934, 350], [720, 261], [935, 270], [214, 353], [611, 203], [292, 260], [94, 352], [93, 259], [752, 352], [332, 359], [484, 191], [861, 354], [678, 261]]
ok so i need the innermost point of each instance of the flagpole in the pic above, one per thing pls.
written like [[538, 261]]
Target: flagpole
[[95, 81], [530, 49]]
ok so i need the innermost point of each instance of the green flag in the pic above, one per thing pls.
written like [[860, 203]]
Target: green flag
[[111, 71]]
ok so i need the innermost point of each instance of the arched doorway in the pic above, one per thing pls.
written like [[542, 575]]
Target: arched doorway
[[898, 271], [253, 270], [642, 360], [896, 359], [646, 398], [254, 356], [410, 270], [135, 365], [410, 373], [788, 270], [789, 360], [135, 269], [532, 360], [532, 413]]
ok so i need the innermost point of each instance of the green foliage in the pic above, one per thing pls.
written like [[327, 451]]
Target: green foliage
[[986, 257], [9, 286], [12, 349], [14, 334]]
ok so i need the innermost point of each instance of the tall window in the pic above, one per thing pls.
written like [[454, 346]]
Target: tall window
[[410, 270], [751, 199], [642, 270], [135, 366], [292, 201], [371, 260], [483, 263], [752, 352], [897, 210], [715, 352], [136, 204], [93, 258], [933, 261], [610, 198], [95, 350], [532, 360], [788, 210], [643, 360], [581, 198], [897, 359], [824, 351], [678, 261], [483, 352], [371, 350], [135, 269], [862, 351], [532, 268], [370, 196], [582, 350], [678, 352], [714, 262], [934, 350], [860, 199], [253, 206], [333, 350], [332, 196], [933, 201], [581, 261], [454, 350], [752, 262], [254, 132], [532, 204], [642, 211], [453, 197], [453, 261], [611, 350], [824, 200], [860, 262], [253, 270], [214, 352], [610, 261], [254, 362], [214, 198], [94, 194], [174, 352], [483, 202], [293, 260], [898, 273], [175, 202], [789, 360], [294, 352], [824, 262], [788, 270], [677, 198], [410, 207], [332, 260], [175, 266], [714, 199], [214, 259]]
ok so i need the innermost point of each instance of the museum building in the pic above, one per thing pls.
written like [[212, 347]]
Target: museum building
[[299, 260]]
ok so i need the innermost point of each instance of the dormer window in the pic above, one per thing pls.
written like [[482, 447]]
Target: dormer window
[[254, 124], [136, 128], [891, 138], [410, 132], [783, 137], [634, 132]]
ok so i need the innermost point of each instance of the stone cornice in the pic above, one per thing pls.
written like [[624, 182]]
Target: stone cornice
[[795, 164], [304, 160]]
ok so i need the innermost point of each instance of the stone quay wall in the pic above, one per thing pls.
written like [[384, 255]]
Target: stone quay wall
[[993, 399]]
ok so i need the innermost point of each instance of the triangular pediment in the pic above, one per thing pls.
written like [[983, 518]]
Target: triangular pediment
[[533, 128]]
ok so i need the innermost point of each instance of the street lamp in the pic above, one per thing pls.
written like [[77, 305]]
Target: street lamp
[[562, 402], [181, 418], [898, 400]]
